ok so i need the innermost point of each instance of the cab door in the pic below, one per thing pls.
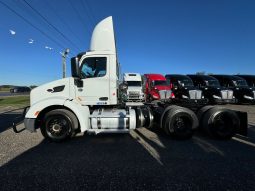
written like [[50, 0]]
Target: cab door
[[94, 73]]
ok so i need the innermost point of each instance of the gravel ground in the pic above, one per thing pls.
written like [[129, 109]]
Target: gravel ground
[[141, 160]]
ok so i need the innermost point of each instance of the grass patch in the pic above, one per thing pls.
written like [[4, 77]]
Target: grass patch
[[14, 101], [4, 89]]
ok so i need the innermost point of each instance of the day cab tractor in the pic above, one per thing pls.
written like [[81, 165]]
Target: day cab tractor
[[212, 90], [250, 80], [90, 101], [184, 89], [242, 92], [155, 87], [135, 89]]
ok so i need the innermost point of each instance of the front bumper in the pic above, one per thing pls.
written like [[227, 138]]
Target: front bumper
[[190, 103], [224, 101], [248, 99], [30, 124]]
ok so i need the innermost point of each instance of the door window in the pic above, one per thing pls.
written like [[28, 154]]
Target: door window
[[93, 67]]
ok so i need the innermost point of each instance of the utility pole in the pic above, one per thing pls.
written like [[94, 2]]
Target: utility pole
[[64, 55]]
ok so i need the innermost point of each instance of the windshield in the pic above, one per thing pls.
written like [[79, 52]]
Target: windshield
[[160, 83], [251, 82], [213, 83], [186, 82], [134, 83], [240, 83]]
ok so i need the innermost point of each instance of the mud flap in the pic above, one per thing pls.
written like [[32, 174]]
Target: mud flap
[[243, 128]]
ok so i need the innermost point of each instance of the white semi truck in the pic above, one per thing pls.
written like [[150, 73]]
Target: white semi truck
[[135, 89], [91, 101]]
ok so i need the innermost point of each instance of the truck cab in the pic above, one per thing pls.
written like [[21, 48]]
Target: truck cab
[[250, 79], [183, 87], [155, 87], [135, 90], [242, 92], [212, 90]]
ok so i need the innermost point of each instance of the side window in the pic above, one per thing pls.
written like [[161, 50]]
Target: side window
[[168, 81], [93, 67], [231, 84], [227, 83], [203, 84], [174, 82], [195, 81]]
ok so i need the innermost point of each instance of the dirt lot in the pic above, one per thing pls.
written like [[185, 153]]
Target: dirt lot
[[141, 160]]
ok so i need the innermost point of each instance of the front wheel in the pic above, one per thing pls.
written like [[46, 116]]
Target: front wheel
[[59, 125]]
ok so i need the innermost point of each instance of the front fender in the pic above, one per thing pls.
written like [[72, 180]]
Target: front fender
[[36, 108], [82, 112]]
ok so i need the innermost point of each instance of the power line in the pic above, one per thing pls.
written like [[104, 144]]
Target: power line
[[90, 9], [78, 14], [86, 11], [31, 24], [55, 28], [64, 22]]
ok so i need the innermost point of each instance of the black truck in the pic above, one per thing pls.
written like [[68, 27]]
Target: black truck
[[242, 92], [184, 89], [212, 90], [250, 79]]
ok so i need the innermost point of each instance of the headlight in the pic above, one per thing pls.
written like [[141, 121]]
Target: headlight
[[183, 96]]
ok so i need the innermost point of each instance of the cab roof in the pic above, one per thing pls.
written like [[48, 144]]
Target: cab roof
[[178, 76], [155, 76], [230, 77], [202, 77], [250, 77]]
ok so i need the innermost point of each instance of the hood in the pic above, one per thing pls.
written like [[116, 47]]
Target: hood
[[243, 89], [162, 87], [58, 88], [213, 89], [187, 88]]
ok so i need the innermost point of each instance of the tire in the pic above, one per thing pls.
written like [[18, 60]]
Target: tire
[[148, 117], [59, 125], [179, 122], [218, 122]]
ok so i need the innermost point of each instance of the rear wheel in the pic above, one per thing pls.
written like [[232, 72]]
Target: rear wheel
[[59, 125], [180, 122], [218, 122]]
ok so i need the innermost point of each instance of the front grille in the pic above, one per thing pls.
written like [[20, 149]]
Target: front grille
[[195, 94], [133, 94], [165, 94], [226, 94]]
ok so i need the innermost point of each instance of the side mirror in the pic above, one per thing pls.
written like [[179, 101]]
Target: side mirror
[[75, 67], [174, 86], [123, 86]]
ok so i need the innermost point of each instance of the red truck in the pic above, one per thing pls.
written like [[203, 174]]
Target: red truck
[[155, 87]]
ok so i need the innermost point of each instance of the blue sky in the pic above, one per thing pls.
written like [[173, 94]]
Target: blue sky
[[164, 36]]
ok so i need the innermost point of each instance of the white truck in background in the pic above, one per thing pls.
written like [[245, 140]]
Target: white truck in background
[[91, 100], [135, 89]]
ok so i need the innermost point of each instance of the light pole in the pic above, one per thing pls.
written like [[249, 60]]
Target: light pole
[[64, 55]]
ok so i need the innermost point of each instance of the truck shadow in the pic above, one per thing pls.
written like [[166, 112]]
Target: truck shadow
[[140, 160]]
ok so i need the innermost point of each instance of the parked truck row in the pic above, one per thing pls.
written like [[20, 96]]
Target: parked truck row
[[211, 89], [94, 100]]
